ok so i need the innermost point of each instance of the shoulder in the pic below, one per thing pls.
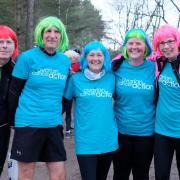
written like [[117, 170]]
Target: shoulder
[[31, 51], [63, 57], [75, 78], [110, 74], [110, 77], [28, 53], [150, 63], [77, 75]]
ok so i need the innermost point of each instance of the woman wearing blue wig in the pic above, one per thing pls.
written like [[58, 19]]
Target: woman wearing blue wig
[[95, 128], [134, 107]]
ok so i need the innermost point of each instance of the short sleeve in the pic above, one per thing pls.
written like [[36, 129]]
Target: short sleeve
[[21, 68], [69, 89]]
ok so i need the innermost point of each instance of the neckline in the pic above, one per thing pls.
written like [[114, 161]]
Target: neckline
[[43, 50]]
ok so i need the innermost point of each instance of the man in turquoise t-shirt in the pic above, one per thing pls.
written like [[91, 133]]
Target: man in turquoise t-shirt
[[37, 87]]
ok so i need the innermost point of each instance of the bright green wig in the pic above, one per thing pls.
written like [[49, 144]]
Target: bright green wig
[[44, 25], [139, 34]]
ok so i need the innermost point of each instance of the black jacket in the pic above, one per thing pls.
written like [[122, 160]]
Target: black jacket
[[4, 89]]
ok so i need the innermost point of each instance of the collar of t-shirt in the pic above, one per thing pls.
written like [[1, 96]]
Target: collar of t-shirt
[[42, 49]]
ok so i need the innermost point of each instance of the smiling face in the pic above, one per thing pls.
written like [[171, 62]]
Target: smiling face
[[51, 39], [95, 60], [135, 49], [7, 47], [169, 48]]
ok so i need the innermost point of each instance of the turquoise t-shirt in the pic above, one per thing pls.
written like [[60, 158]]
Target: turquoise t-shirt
[[95, 127], [168, 107], [40, 101], [134, 101]]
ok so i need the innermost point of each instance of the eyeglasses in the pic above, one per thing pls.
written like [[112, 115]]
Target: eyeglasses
[[169, 43]]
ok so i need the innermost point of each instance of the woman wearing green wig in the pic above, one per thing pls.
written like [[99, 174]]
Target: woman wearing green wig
[[36, 91], [134, 107]]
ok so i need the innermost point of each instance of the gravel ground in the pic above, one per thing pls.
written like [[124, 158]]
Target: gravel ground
[[73, 169]]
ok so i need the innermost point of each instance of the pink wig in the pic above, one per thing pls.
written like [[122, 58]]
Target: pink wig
[[161, 34], [6, 33]]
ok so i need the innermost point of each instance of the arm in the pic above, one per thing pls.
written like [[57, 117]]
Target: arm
[[15, 90], [64, 103]]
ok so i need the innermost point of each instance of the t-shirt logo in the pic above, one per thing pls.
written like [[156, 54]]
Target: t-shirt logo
[[168, 81], [97, 92], [135, 84], [50, 73]]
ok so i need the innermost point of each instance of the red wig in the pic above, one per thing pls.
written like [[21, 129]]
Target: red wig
[[6, 33], [161, 34]]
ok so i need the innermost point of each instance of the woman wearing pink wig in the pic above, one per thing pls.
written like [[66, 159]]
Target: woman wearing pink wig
[[166, 43], [8, 53]]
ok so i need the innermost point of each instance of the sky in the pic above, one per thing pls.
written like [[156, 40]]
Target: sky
[[108, 15], [104, 6]]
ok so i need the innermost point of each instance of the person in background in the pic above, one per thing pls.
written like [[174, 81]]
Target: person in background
[[75, 67], [35, 96], [166, 44], [95, 128], [134, 107], [8, 54]]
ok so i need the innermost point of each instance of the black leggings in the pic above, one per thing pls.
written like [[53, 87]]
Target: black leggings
[[4, 143], [94, 167], [68, 117], [163, 155], [134, 154]]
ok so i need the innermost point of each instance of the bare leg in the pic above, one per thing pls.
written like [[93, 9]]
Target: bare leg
[[56, 170], [26, 170]]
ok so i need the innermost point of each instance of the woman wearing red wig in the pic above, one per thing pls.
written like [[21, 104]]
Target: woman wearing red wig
[[166, 43], [8, 53]]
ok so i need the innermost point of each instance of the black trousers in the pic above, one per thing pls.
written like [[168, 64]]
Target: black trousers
[[163, 154], [134, 154], [68, 117], [94, 167], [4, 143]]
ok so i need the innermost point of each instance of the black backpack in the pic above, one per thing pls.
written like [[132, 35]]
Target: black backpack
[[117, 63], [160, 65], [174, 64]]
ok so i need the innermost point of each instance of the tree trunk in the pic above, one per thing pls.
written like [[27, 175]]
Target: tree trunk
[[18, 16], [29, 24]]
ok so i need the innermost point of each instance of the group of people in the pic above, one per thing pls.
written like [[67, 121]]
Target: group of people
[[125, 110]]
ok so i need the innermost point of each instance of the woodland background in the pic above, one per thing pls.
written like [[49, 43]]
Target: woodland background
[[84, 22]]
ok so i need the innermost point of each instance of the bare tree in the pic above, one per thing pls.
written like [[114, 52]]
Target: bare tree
[[178, 9], [145, 14], [175, 5], [137, 13]]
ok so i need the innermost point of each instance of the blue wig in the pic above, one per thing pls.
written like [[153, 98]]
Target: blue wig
[[95, 45]]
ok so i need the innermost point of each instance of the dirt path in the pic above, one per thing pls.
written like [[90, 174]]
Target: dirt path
[[73, 169]]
